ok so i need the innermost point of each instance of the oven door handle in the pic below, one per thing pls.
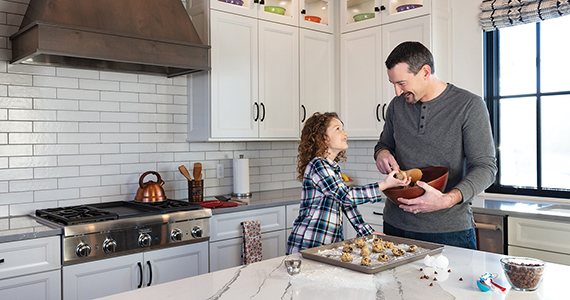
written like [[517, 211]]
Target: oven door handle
[[141, 275], [149, 273], [487, 226]]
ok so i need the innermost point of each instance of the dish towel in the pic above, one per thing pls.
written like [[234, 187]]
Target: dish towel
[[251, 242]]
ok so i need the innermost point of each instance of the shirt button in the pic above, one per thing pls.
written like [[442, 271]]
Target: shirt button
[[423, 117], [421, 126], [424, 107]]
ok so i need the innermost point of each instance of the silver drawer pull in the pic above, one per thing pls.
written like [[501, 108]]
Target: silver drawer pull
[[377, 213], [486, 226]]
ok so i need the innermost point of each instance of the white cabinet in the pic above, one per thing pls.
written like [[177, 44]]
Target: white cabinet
[[317, 72], [323, 10], [372, 213], [256, 9], [226, 236], [124, 273], [542, 239], [252, 91], [365, 89], [30, 269]]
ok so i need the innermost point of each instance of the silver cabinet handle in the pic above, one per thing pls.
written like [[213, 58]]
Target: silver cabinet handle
[[487, 226]]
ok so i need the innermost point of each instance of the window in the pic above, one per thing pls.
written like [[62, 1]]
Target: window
[[528, 95]]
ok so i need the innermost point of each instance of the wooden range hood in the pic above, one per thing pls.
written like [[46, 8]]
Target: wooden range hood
[[135, 36]]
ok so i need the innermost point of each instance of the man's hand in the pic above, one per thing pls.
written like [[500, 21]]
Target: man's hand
[[431, 200], [385, 162]]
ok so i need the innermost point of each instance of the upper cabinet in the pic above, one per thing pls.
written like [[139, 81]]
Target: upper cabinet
[[365, 89], [359, 14], [317, 15], [280, 11]]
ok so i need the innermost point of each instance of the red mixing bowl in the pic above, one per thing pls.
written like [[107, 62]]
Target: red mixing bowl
[[434, 176]]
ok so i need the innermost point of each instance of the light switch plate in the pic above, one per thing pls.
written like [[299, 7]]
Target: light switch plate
[[220, 171]]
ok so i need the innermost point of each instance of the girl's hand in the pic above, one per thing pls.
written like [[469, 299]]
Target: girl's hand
[[390, 181]]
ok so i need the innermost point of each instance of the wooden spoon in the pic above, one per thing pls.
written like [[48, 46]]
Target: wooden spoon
[[197, 171], [416, 175], [185, 172]]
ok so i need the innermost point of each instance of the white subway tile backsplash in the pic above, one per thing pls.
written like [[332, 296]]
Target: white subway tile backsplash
[[156, 157], [100, 191], [173, 128], [33, 185], [55, 149], [138, 127], [204, 147], [219, 155], [171, 89], [137, 87], [156, 138], [15, 126], [138, 168], [32, 161], [3, 138], [58, 82], [15, 150], [137, 148], [155, 79], [77, 73], [108, 159], [5, 102], [4, 212], [56, 195], [156, 98], [31, 69], [56, 172], [119, 117], [15, 79], [77, 94], [171, 109], [32, 115], [270, 153], [119, 96], [98, 170], [31, 91], [32, 138], [16, 174], [3, 163], [99, 127], [99, 148], [17, 197], [270, 169], [55, 104], [3, 114], [155, 118], [119, 179], [99, 106], [56, 126], [78, 138], [78, 160], [258, 145], [186, 157], [119, 137], [138, 107], [118, 76], [102, 85]]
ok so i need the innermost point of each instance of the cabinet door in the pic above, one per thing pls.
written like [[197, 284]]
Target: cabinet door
[[317, 72], [175, 263], [391, 14], [324, 10], [395, 33], [248, 8], [102, 278], [361, 76], [278, 80], [289, 17], [29, 256], [46, 285], [234, 76], [351, 8]]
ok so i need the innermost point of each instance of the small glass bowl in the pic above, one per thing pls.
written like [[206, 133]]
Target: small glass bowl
[[523, 273], [293, 266]]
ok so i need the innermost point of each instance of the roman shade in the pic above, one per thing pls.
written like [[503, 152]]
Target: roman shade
[[497, 14]]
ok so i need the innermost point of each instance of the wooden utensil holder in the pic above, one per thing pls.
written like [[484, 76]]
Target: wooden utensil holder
[[195, 190]]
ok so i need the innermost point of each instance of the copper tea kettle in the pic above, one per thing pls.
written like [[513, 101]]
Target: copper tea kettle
[[150, 191]]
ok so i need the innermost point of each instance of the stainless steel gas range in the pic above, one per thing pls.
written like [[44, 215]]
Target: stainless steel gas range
[[106, 230]]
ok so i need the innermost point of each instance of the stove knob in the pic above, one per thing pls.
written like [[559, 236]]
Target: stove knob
[[83, 250], [197, 231], [109, 245], [176, 235], [144, 240]]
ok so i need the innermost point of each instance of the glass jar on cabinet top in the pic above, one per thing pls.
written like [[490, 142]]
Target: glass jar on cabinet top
[[280, 11], [358, 14]]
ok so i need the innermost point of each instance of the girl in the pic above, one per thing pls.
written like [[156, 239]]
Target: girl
[[325, 195]]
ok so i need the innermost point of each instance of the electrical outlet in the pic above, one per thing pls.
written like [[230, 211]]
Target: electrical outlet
[[220, 171]]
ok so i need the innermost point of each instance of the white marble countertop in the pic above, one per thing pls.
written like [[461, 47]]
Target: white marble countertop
[[269, 280]]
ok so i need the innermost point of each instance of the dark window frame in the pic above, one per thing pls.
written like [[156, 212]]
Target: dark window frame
[[492, 99]]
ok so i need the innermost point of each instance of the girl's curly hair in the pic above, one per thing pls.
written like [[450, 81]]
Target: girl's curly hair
[[314, 141]]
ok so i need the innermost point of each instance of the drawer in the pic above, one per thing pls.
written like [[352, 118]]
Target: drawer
[[542, 255], [226, 226], [539, 234], [372, 212], [292, 214], [29, 256]]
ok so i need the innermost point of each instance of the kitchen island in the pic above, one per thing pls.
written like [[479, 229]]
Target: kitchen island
[[269, 280]]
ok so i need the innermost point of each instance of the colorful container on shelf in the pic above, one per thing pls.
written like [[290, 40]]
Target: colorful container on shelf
[[275, 9], [313, 19], [364, 16], [405, 7], [236, 2]]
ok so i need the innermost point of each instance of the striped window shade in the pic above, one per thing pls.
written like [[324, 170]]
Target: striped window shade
[[497, 14]]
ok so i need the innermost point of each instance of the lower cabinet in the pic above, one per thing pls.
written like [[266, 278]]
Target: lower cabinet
[[543, 239], [30, 269], [372, 213], [46, 285], [226, 238], [124, 273]]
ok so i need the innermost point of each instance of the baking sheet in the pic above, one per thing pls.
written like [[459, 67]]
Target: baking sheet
[[432, 249]]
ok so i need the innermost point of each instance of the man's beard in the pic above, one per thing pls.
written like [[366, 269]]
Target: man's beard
[[410, 100]]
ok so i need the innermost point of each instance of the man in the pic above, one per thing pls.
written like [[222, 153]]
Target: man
[[433, 123]]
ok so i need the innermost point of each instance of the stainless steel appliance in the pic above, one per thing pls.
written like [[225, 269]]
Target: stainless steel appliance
[[105, 230], [490, 231]]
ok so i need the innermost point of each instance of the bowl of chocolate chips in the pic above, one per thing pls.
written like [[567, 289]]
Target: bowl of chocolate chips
[[523, 273]]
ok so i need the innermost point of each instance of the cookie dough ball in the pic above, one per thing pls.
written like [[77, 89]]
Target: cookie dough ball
[[412, 248], [398, 252], [389, 245], [382, 257], [359, 243], [365, 251], [347, 248], [346, 257], [378, 247], [377, 240], [365, 261]]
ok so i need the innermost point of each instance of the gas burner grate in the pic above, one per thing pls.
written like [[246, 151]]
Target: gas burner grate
[[173, 205], [78, 214]]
